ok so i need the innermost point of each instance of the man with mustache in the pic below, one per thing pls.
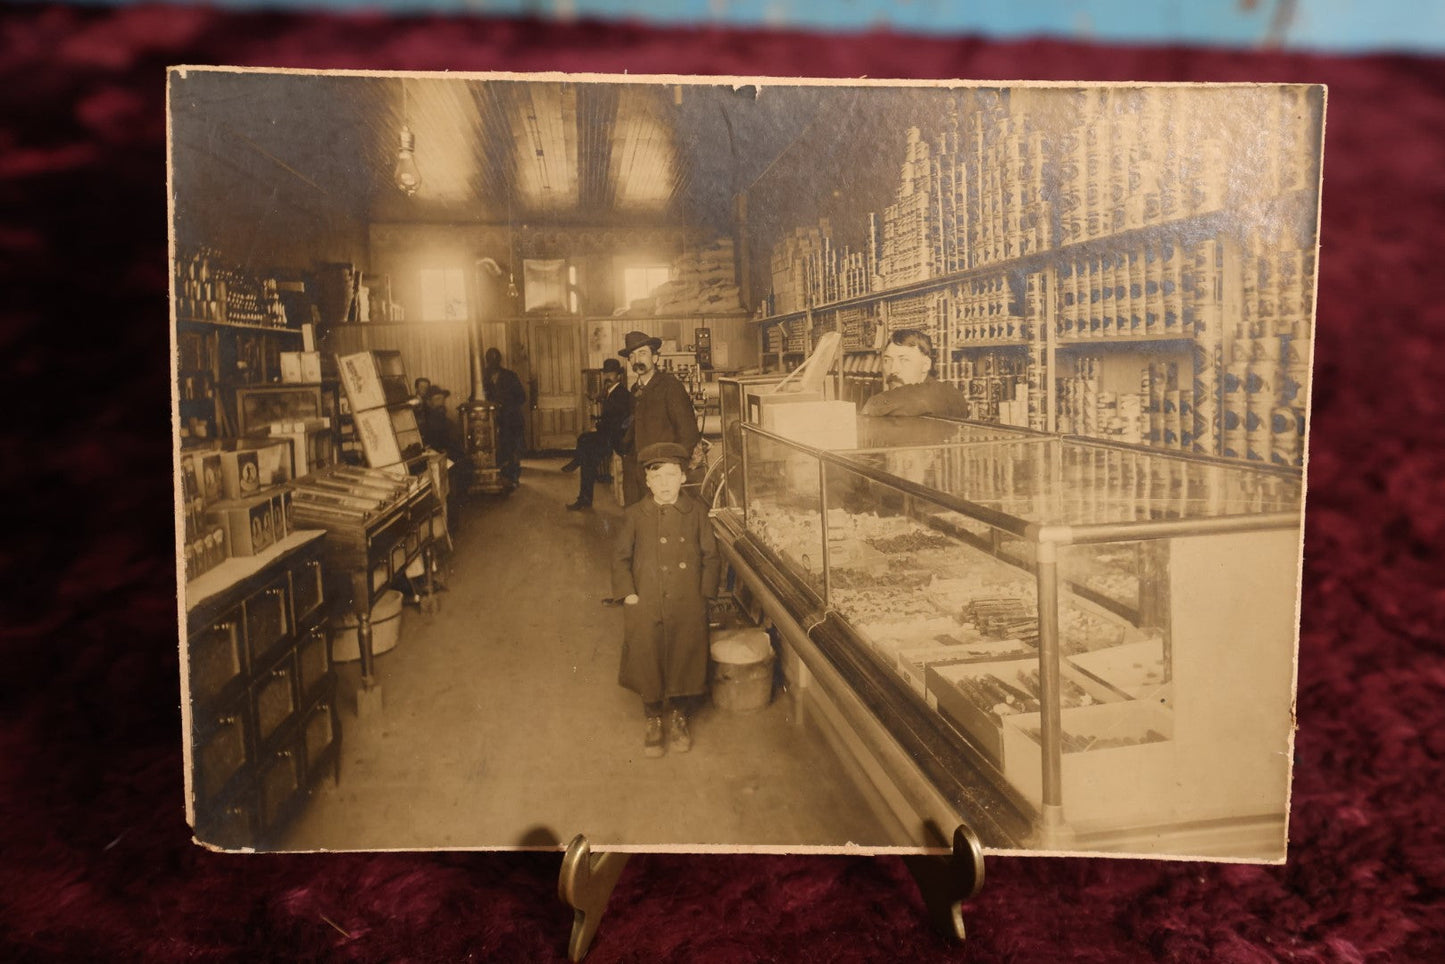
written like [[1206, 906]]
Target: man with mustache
[[661, 412], [909, 387]]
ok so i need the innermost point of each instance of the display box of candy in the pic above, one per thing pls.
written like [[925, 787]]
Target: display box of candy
[[973, 697], [1119, 761], [977, 697], [1135, 669]]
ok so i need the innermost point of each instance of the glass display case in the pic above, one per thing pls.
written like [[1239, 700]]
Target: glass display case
[[1106, 632], [298, 413]]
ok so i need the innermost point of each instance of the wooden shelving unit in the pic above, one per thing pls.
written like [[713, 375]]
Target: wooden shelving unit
[[1104, 264]]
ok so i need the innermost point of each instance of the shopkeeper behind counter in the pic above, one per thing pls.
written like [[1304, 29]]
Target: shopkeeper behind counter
[[909, 387]]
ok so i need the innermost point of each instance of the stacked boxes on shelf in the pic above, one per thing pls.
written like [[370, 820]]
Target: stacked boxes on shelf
[[205, 544], [255, 508]]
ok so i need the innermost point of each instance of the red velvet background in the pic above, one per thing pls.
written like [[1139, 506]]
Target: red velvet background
[[95, 856]]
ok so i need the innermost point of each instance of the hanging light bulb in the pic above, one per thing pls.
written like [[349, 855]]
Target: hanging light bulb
[[511, 285], [408, 177]]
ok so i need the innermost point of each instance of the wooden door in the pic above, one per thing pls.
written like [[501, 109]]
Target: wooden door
[[558, 399]]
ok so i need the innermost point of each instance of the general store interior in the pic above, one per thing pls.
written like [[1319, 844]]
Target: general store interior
[[424, 220]]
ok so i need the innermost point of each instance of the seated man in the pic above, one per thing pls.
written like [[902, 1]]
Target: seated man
[[909, 387], [593, 447], [440, 433]]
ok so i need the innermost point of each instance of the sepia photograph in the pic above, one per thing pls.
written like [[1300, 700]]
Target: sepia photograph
[[739, 464]]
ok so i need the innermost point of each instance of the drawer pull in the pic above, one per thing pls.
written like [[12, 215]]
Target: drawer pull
[[227, 721], [280, 674], [226, 627]]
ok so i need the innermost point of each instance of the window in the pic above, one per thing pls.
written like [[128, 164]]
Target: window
[[642, 280], [443, 294]]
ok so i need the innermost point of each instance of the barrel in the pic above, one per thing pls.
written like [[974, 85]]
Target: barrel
[[742, 669]]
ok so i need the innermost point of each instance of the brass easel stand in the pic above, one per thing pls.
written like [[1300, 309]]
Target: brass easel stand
[[586, 884], [947, 881]]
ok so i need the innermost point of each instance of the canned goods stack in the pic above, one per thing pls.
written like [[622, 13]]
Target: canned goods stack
[[983, 311], [909, 223], [1088, 397], [1296, 168], [914, 311], [795, 335], [858, 324], [1205, 281], [809, 269], [1205, 181], [790, 283], [1034, 294], [209, 288], [1261, 398], [1008, 212], [1132, 181], [1234, 412]]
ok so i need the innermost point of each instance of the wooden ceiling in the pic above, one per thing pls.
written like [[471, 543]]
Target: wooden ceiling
[[492, 151]]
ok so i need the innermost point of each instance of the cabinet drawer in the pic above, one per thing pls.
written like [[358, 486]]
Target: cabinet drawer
[[279, 783], [267, 622], [229, 825], [275, 695], [221, 752], [313, 659], [399, 554], [306, 593], [216, 657], [320, 734]]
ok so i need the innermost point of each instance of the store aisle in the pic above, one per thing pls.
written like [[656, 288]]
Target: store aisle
[[504, 725]]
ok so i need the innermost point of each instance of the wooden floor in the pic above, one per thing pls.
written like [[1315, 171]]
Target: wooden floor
[[503, 725]]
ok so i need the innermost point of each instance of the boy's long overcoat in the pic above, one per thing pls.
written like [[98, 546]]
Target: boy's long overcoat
[[667, 555]]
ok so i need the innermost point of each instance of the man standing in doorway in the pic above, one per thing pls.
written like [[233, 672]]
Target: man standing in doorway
[[661, 412], [909, 387], [504, 390]]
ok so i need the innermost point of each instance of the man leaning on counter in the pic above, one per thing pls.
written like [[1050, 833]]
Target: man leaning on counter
[[909, 387]]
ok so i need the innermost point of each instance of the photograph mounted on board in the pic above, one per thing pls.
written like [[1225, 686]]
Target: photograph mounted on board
[[740, 464]]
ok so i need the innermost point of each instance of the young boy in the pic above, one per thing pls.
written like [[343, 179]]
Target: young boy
[[665, 568]]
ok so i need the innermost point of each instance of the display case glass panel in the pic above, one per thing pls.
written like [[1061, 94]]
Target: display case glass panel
[[782, 506], [260, 406], [1095, 623]]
